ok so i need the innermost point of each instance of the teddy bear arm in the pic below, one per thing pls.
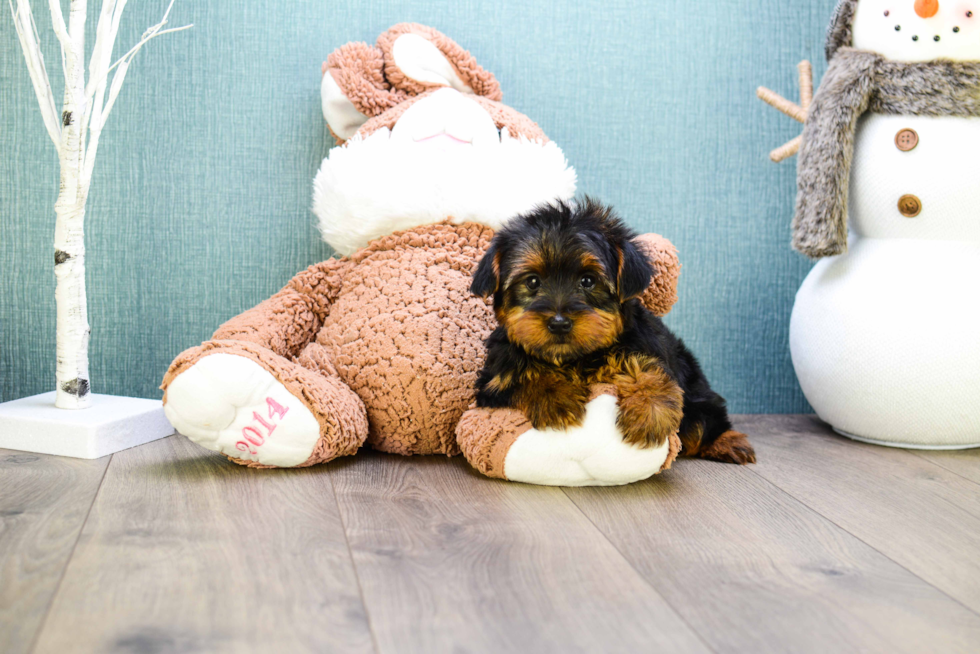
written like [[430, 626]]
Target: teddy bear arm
[[661, 295], [289, 320], [502, 443], [486, 435]]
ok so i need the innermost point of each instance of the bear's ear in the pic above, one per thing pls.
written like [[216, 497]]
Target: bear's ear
[[419, 58], [342, 116], [634, 270], [486, 279], [661, 295], [353, 88]]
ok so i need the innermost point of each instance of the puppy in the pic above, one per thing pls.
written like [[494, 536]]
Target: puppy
[[565, 280]]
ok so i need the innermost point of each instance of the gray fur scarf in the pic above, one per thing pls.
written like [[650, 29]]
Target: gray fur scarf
[[858, 81]]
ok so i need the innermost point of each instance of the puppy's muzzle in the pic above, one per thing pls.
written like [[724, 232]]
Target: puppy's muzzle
[[559, 325]]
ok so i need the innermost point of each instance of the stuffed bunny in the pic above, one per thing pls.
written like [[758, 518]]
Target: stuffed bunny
[[384, 344]]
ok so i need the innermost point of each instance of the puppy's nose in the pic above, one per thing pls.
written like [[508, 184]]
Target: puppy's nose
[[559, 325]]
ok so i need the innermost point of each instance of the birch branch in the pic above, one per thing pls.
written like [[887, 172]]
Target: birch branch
[[150, 33], [61, 31], [58, 23], [136, 48], [101, 112], [27, 34], [105, 40]]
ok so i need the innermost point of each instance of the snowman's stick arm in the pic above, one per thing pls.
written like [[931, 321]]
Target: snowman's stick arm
[[798, 112], [786, 151], [773, 99], [806, 84]]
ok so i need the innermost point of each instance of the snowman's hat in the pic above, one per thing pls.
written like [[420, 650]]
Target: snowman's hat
[[839, 34]]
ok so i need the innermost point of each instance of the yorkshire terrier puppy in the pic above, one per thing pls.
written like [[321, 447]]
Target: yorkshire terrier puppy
[[565, 281]]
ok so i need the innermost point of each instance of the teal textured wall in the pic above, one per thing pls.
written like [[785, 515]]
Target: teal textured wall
[[200, 200]]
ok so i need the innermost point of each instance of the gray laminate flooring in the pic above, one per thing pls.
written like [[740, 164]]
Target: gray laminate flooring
[[826, 545]]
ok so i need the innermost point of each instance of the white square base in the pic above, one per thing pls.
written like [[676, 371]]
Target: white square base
[[110, 424]]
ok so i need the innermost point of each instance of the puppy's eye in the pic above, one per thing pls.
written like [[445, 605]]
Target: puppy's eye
[[533, 283], [587, 281]]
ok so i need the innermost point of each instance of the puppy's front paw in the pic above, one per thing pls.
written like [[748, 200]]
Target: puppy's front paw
[[556, 412], [554, 401], [650, 408]]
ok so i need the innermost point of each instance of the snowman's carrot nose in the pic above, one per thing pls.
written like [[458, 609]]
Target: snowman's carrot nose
[[926, 8]]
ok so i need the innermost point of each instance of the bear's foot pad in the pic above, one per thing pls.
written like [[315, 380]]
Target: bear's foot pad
[[593, 454], [232, 405]]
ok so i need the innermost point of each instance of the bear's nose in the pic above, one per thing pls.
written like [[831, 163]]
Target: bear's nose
[[559, 325], [926, 8]]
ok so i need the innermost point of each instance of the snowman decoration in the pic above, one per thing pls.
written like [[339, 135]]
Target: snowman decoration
[[885, 331]]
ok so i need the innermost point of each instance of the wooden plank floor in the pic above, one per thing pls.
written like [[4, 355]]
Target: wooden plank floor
[[825, 545]]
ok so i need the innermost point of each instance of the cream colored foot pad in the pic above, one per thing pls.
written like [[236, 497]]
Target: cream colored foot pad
[[591, 455], [232, 405]]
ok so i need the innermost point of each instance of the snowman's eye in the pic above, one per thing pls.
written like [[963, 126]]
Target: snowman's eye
[[887, 12], [969, 14], [898, 28], [915, 38], [935, 38], [956, 30]]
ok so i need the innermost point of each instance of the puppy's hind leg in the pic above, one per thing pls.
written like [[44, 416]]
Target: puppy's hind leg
[[706, 432]]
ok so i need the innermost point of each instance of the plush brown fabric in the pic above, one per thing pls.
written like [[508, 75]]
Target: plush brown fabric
[[290, 319], [407, 334], [389, 117], [485, 437], [358, 69], [390, 338], [661, 295]]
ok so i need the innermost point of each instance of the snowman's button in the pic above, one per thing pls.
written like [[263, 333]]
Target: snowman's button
[[906, 139], [909, 206]]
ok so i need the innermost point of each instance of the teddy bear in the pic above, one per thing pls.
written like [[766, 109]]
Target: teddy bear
[[382, 346]]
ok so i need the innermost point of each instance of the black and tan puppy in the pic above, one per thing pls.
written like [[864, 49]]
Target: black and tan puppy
[[565, 281]]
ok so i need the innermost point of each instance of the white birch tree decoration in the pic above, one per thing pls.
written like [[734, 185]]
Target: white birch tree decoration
[[75, 133]]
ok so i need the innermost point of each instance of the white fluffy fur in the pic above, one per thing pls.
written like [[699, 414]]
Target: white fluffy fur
[[377, 185]]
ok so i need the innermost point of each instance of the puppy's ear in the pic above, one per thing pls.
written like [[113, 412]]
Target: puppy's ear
[[486, 279], [634, 270]]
